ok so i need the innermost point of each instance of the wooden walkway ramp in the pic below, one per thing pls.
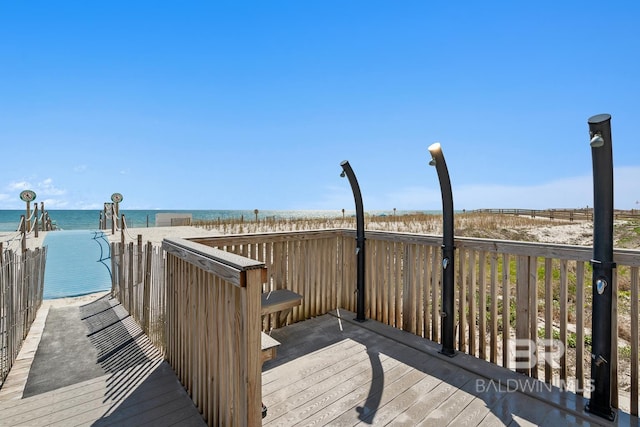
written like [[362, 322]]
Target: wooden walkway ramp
[[92, 365], [333, 371]]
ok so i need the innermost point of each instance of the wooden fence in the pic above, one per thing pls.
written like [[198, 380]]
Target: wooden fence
[[138, 282], [585, 214], [21, 286], [204, 312], [505, 290]]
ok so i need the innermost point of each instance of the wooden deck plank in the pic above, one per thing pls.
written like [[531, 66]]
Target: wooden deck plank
[[449, 409], [518, 408], [326, 392], [391, 392], [151, 409], [479, 408], [424, 389], [357, 401], [316, 335], [335, 403], [399, 379], [144, 391], [316, 367], [139, 387], [466, 407], [325, 373], [37, 406], [418, 366], [421, 407]]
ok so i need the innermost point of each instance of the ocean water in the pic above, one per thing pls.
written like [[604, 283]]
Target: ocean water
[[90, 219]]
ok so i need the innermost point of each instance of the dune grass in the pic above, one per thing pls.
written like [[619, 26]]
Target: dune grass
[[510, 227]]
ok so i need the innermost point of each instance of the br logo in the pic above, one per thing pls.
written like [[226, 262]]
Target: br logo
[[527, 353]]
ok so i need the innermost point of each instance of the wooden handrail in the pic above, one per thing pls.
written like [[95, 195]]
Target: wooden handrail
[[219, 362], [227, 265]]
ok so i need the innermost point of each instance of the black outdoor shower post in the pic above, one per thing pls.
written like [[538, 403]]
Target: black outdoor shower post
[[603, 265], [346, 169], [447, 314]]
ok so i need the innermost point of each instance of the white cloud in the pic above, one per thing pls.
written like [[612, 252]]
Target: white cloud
[[19, 186], [56, 204], [46, 191], [47, 188]]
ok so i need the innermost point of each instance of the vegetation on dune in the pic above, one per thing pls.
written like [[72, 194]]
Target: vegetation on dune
[[468, 224]]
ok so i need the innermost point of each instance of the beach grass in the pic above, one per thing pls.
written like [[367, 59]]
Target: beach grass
[[476, 224]]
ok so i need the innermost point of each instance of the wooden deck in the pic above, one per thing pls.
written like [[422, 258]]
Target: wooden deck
[[138, 387], [331, 370]]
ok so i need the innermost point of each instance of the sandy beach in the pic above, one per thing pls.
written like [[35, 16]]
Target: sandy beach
[[157, 234]]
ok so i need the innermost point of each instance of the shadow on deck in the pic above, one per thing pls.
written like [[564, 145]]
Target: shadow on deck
[[94, 366], [331, 370]]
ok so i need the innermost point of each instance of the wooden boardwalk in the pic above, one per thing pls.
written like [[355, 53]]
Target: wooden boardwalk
[[137, 388], [333, 371]]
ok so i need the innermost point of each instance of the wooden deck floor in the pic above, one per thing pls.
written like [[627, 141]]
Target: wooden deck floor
[[333, 371], [138, 387]]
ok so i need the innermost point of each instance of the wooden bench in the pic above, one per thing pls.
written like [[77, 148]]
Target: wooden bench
[[280, 300], [269, 347]]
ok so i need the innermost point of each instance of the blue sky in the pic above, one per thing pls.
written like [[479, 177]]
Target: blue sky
[[254, 104]]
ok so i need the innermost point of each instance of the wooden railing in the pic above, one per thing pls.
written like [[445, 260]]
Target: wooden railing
[[505, 290], [138, 282], [584, 214], [21, 286], [204, 312], [310, 263]]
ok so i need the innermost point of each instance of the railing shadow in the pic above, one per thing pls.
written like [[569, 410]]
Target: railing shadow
[[118, 340], [141, 388], [148, 394]]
